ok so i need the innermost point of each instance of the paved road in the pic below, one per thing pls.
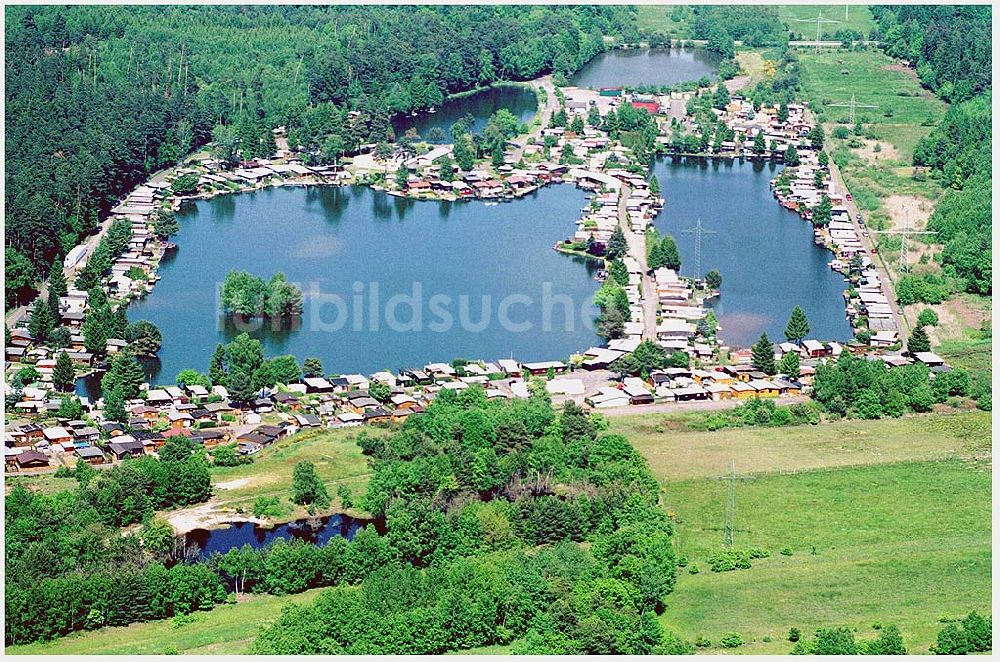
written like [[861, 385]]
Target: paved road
[[551, 105], [877, 259], [14, 315], [637, 249]]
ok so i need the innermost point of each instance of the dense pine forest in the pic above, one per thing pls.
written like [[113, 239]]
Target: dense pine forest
[[950, 48], [100, 97]]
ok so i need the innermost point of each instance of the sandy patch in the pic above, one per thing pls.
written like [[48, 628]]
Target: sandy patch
[[206, 516], [737, 83], [908, 210], [886, 151], [233, 484]]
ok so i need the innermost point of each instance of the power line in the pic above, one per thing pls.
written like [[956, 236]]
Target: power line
[[698, 231], [819, 25], [905, 235], [852, 104]]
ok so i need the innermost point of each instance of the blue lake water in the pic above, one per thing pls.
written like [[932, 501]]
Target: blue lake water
[[483, 279], [318, 531], [520, 101], [765, 253], [646, 66]]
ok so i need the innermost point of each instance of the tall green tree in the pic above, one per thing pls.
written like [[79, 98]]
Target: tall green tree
[[822, 212], [114, 406], [762, 355], [307, 488], [919, 341], [63, 374], [789, 365], [217, 367], [798, 326], [41, 323], [165, 222], [617, 244], [125, 374], [312, 367], [56, 288], [144, 338]]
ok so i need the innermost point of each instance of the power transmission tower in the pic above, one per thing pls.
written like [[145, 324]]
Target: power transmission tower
[[905, 235], [727, 536], [698, 231], [852, 104], [819, 25]]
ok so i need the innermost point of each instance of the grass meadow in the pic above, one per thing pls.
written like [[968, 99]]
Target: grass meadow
[[903, 543]]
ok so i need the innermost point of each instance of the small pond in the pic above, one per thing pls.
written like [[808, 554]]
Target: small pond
[[318, 531]]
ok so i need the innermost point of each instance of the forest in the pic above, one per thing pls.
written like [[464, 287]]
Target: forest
[[950, 48], [501, 523], [949, 45], [100, 97]]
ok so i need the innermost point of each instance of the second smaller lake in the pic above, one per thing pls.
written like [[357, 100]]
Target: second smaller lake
[[646, 66], [317, 531]]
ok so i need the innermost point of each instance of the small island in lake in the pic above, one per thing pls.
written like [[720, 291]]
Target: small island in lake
[[250, 296]]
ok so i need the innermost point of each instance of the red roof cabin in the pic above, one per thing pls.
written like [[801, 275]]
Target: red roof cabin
[[649, 106]]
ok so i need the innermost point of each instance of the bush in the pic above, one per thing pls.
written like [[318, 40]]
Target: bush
[[786, 551], [694, 569], [927, 317], [180, 620], [794, 634], [702, 642], [973, 635], [731, 640], [267, 507]]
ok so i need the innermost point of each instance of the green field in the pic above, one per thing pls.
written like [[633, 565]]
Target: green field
[[675, 453], [338, 460], [903, 544], [905, 113], [226, 630], [832, 76], [802, 18], [902, 536], [660, 18]]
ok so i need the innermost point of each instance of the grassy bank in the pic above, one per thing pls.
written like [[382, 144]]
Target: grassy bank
[[335, 454], [226, 630], [801, 19], [675, 453], [904, 543]]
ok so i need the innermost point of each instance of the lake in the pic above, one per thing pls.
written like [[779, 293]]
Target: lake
[[520, 101], [388, 282], [765, 253], [318, 532], [646, 66]]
